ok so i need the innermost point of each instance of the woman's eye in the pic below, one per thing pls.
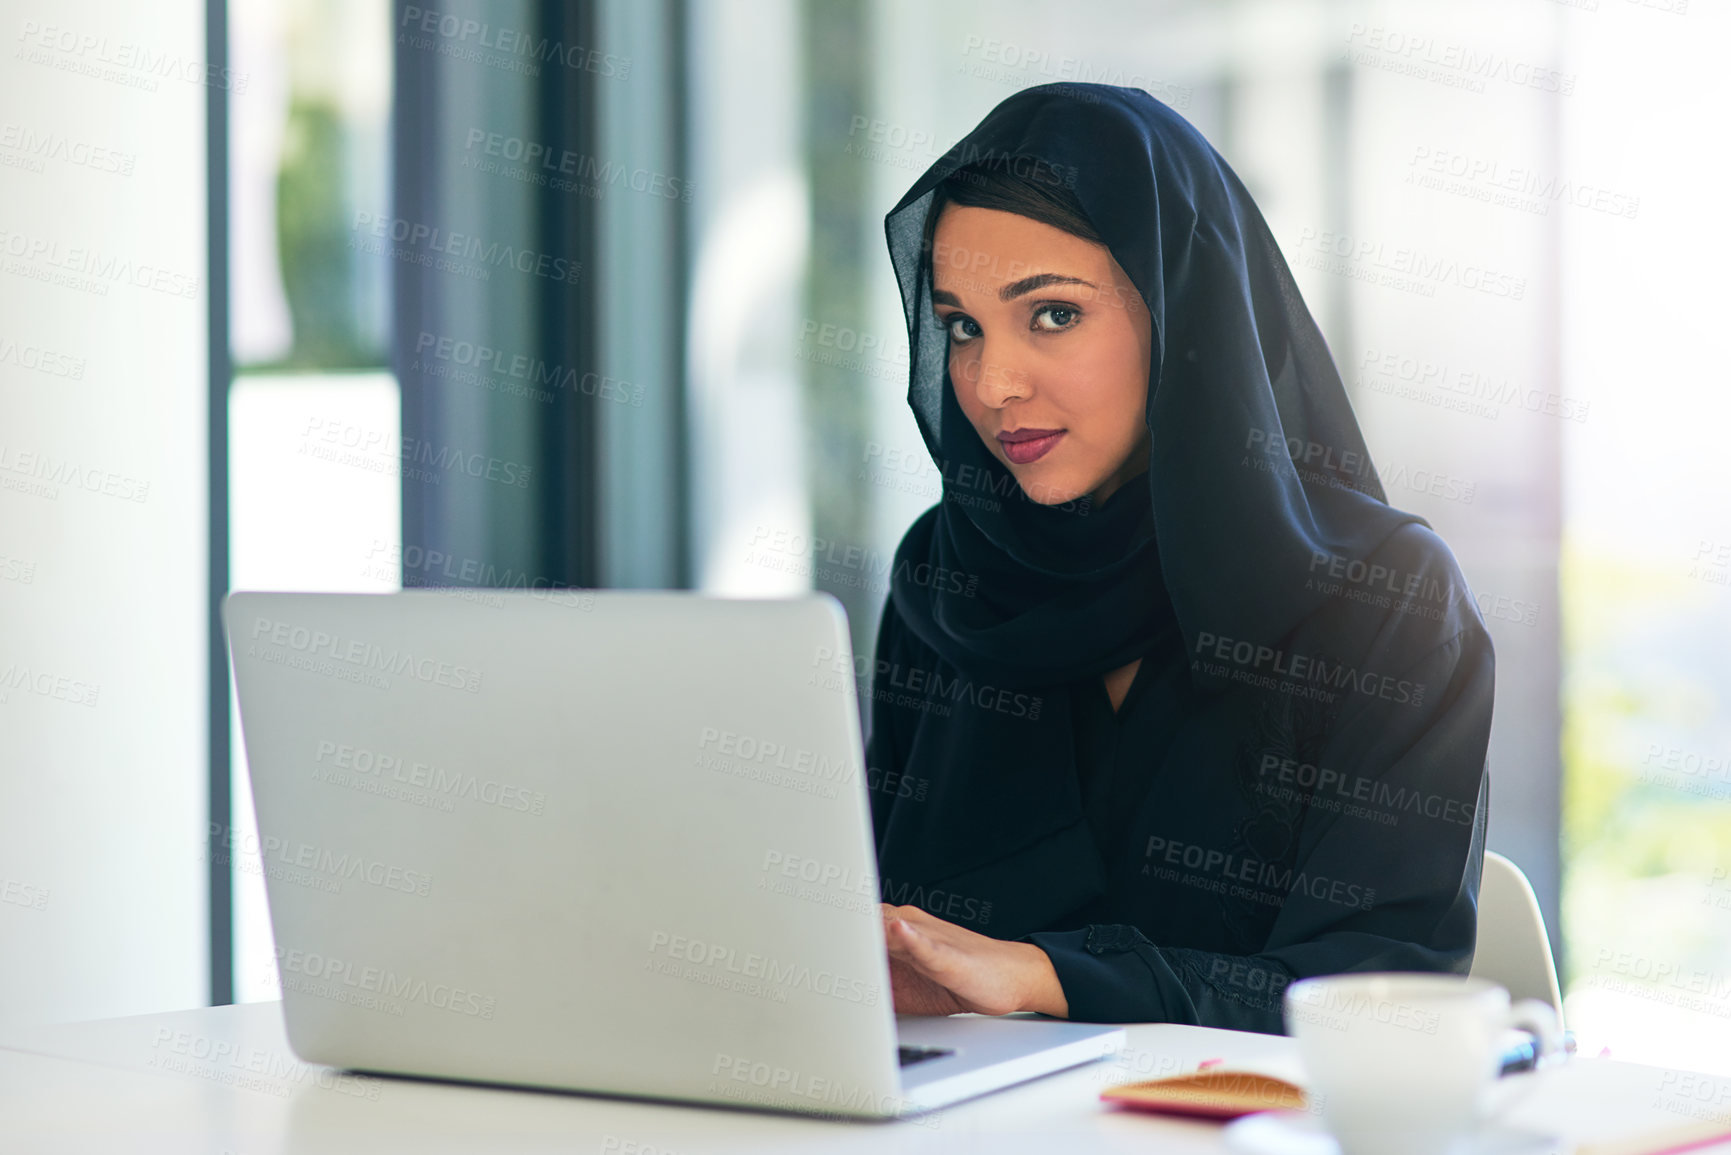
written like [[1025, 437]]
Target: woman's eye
[[1053, 318], [962, 329]]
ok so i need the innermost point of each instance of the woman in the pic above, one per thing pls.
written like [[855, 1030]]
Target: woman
[[1203, 715]]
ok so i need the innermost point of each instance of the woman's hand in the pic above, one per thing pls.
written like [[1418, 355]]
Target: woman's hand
[[939, 968]]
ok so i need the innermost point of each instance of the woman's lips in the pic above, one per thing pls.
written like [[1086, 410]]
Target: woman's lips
[[1028, 445]]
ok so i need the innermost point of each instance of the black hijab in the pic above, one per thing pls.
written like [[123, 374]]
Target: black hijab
[[1257, 466]]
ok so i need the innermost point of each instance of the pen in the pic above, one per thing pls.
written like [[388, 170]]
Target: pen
[[1525, 1055]]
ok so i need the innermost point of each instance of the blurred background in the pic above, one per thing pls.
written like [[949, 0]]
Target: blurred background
[[359, 295]]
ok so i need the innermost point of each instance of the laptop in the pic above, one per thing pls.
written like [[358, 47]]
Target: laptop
[[615, 842]]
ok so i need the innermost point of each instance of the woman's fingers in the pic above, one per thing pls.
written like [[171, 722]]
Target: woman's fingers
[[916, 994], [901, 940], [955, 961], [915, 944], [919, 979], [911, 914], [906, 941], [938, 967], [917, 915], [925, 927], [946, 964]]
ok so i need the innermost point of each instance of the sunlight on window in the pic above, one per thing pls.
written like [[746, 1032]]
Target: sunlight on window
[[1647, 647]]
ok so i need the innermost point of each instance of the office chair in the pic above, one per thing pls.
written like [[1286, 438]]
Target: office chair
[[1513, 949]]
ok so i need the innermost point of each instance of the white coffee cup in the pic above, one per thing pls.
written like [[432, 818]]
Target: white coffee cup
[[1403, 1063]]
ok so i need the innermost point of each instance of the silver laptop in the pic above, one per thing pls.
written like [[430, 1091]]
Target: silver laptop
[[605, 841]]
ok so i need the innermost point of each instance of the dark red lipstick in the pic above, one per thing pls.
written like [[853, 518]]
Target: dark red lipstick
[[1024, 446]]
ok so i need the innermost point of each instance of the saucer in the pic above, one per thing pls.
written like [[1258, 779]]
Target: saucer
[[1280, 1133], [1301, 1133]]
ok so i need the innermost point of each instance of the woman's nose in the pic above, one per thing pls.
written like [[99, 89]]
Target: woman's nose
[[1000, 380]]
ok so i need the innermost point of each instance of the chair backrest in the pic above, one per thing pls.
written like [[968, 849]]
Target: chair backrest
[[1513, 948]]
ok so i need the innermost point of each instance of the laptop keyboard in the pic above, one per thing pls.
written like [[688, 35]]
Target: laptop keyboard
[[908, 1056]]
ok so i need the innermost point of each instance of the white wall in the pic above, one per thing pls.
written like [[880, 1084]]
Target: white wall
[[102, 508]]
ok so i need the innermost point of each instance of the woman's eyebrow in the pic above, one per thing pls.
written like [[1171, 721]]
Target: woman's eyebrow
[[1016, 288], [1038, 281]]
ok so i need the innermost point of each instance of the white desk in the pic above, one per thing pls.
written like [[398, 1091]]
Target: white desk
[[223, 1080]]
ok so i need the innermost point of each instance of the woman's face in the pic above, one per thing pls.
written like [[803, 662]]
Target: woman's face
[[1049, 350]]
